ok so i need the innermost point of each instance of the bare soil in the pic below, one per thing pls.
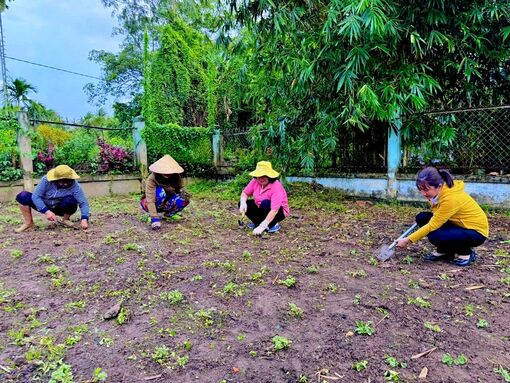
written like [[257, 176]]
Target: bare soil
[[56, 284]]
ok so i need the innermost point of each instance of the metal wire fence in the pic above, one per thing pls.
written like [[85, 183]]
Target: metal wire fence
[[237, 144], [468, 141]]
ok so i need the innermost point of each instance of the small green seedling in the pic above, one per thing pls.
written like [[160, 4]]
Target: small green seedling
[[232, 288], [247, 255], [241, 337], [174, 297], [106, 341], [504, 373], [281, 343], [16, 253], [187, 345], [123, 316], [408, 259], [332, 288], [393, 362], [295, 311], [357, 273], [450, 360], [99, 375], [161, 354], [289, 282], [364, 328], [391, 376], [469, 310], [63, 373], [131, 246], [419, 301], [432, 326], [360, 365], [482, 323], [53, 270]]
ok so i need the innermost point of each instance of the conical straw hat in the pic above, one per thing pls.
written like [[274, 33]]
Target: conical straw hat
[[166, 165]]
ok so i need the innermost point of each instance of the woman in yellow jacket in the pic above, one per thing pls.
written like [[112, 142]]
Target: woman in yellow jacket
[[455, 225]]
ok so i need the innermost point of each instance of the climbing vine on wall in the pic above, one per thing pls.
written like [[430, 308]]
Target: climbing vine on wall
[[176, 78], [190, 146]]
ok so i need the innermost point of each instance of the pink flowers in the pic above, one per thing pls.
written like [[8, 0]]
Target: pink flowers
[[47, 158]]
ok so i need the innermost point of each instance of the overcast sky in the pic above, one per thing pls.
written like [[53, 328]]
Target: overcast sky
[[58, 33]]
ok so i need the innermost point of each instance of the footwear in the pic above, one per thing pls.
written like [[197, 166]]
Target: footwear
[[466, 262], [435, 256], [25, 227], [172, 216], [274, 229], [251, 225]]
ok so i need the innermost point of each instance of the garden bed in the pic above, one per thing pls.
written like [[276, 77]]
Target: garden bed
[[203, 299]]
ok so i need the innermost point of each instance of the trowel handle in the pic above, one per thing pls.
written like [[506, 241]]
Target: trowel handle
[[404, 234]]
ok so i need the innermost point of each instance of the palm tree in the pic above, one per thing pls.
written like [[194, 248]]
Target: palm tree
[[18, 92]]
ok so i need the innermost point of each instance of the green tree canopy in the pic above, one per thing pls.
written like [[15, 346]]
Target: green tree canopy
[[328, 66], [176, 77]]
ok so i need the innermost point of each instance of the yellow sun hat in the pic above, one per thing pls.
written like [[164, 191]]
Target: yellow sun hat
[[264, 168], [166, 165], [62, 172]]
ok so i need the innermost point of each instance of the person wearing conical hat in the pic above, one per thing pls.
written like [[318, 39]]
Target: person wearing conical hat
[[164, 192], [269, 204], [58, 193]]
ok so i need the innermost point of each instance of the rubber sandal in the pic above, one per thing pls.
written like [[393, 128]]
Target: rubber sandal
[[466, 262], [435, 256]]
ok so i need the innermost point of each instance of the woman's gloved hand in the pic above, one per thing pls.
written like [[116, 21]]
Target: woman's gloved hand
[[242, 206], [260, 228], [155, 223]]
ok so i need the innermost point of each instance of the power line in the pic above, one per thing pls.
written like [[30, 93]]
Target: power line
[[78, 125], [54, 68]]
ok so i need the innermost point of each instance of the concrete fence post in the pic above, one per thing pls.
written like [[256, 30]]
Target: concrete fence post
[[25, 150], [393, 156], [217, 146], [140, 147]]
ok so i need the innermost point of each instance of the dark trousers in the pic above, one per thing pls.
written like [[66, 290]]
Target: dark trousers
[[450, 238], [258, 214], [67, 205]]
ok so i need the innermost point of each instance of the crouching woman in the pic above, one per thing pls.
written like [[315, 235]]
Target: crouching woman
[[164, 192], [57, 194], [456, 223], [269, 205]]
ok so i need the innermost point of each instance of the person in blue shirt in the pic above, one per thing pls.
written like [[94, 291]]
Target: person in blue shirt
[[57, 194]]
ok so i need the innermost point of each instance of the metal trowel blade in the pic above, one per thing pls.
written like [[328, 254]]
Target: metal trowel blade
[[384, 252]]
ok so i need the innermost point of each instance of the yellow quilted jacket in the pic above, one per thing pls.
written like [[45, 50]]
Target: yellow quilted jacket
[[457, 207]]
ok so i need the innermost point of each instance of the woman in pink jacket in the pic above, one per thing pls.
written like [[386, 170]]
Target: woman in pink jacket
[[269, 204]]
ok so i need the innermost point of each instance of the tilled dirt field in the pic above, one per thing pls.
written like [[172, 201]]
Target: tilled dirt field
[[203, 300]]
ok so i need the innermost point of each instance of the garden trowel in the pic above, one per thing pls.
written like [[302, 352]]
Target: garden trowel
[[384, 252], [241, 220]]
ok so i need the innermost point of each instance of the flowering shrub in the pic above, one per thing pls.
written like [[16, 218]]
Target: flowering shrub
[[53, 135], [47, 158], [113, 158]]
